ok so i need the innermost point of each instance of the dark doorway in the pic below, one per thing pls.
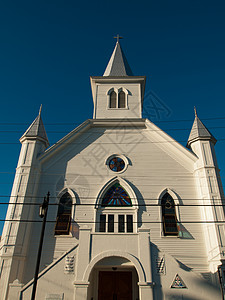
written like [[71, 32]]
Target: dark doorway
[[115, 285]]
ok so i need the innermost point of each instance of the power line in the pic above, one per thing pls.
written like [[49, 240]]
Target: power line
[[96, 222], [109, 143], [98, 175], [94, 198], [133, 204], [76, 123], [115, 206], [169, 129], [185, 176]]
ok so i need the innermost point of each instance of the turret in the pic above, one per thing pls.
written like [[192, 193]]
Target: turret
[[34, 141], [16, 234], [210, 192]]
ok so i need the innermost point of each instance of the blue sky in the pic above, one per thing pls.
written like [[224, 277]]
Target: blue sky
[[50, 48]]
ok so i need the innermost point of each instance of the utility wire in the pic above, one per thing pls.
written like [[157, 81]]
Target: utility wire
[[109, 143], [98, 175], [76, 123], [116, 127], [94, 198], [113, 206], [96, 222]]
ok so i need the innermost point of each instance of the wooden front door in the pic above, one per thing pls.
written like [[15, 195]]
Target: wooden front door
[[115, 285]]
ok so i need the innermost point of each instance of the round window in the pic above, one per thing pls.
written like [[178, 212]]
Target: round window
[[116, 164]]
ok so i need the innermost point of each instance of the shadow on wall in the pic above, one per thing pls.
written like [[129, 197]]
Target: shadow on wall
[[158, 264], [186, 285], [183, 266], [141, 202]]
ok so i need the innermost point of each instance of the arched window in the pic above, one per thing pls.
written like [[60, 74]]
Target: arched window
[[116, 215], [121, 100], [169, 216], [112, 103], [116, 196], [63, 220]]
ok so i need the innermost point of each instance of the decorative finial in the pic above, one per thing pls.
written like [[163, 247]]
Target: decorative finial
[[118, 37], [195, 111], [40, 110]]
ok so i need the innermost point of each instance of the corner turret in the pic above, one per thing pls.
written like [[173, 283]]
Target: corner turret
[[199, 132], [36, 131], [34, 142], [210, 191]]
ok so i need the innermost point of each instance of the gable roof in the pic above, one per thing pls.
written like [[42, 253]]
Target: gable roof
[[118, 64], [153, 133]]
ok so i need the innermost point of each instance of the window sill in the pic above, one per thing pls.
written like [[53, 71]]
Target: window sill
[[117, 108], [170, 236], [63, 235], [115, 233]]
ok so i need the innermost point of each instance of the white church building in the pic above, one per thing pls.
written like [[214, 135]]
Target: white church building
[[133, 215]]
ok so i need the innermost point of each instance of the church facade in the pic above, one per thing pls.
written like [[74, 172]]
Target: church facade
[[132, 214]]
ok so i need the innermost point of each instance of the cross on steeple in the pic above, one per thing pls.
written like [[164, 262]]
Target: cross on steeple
[[118, 37]]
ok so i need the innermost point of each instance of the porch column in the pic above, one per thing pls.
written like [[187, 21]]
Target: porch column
[[82, 261], [146, 287], [81, 290]]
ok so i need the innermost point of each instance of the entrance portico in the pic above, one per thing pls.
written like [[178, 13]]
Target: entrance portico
[[91, 279]]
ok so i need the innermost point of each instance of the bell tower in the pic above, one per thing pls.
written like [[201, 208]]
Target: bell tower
[[118, 94]]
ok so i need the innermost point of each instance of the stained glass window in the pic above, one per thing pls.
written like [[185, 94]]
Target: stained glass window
[[178, 283], [169, 216], [116, 164], [64, 215], [116, 196]]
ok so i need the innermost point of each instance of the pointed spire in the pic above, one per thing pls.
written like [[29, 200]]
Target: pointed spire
[[195, 111], [36, 130], [40, 109], [199, 131], [118, 65]]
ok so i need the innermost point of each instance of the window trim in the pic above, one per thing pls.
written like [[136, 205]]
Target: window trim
[[123, 157], [116, 214], [117, 91], [177, 201], [128, 210], [72, 213]]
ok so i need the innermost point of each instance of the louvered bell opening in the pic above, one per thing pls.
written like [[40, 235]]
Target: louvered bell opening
[[112, 100], [121, 101]]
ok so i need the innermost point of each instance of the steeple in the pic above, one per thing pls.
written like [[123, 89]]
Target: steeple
[[199, 131], [118, 94], [36, 130], [118, 65]]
